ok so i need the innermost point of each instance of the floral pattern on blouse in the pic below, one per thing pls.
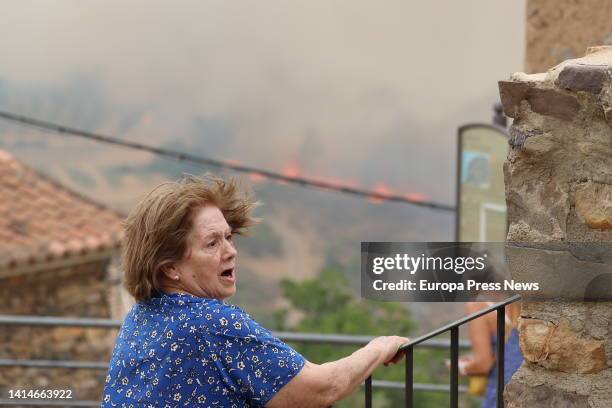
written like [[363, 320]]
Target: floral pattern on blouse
[[178, 350]]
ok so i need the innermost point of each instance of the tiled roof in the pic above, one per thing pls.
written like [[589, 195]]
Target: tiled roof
[[40, 220]]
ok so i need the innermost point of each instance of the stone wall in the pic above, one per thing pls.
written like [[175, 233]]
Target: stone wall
[[77, 291], [558, 178], [558, 30]]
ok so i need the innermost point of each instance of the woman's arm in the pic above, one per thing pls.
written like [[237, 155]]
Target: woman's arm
[[480, 333], [323, 385]]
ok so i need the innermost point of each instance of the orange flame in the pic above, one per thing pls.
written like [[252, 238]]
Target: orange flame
[[416, 196], [382, 190], [291, 170], [256, 177]]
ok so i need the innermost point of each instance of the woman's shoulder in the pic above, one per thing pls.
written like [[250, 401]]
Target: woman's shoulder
[[201, 315], [225, 313], [180, 308], [225, 320]]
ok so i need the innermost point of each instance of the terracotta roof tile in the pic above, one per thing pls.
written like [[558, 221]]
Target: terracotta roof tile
[[41, 220]]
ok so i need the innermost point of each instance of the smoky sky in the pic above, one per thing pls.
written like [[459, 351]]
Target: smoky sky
[[367, 91]]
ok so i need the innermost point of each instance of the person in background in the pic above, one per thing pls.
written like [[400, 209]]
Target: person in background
[[483, 336]]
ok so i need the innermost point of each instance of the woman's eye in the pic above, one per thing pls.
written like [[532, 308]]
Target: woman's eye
[[229, 237], [211, 244]]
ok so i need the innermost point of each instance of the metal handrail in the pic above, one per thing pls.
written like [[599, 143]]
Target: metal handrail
[[453, 327], [460, 322], [316, 338], [102, 323]]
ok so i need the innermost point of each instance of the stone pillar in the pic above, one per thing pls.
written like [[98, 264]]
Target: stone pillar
[[558, 178], [557, 30]]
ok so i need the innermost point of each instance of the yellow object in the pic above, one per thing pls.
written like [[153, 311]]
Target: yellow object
[[477, 385]]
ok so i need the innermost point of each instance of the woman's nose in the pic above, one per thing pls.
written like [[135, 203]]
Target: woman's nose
[[230, 249]]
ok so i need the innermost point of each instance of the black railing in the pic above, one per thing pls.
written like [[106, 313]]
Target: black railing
[[453, 327], [311, 338]]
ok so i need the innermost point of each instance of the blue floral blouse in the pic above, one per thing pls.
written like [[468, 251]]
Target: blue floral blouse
[[178, 350]]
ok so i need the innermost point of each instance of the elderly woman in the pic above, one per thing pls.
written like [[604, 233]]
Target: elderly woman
[[181, 345]]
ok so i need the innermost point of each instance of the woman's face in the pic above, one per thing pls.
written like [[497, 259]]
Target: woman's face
[[208, 268]]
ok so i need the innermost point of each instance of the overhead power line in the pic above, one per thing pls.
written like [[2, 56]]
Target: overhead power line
[[185, 157]]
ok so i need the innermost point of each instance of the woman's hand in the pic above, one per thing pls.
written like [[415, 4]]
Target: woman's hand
[[388, 346]]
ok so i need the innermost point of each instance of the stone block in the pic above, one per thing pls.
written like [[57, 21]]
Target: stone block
[[534, 338], [543, 101], [562, 273], [511, 94], [552, 103], [587, 78], [557, 347], [594, 205]]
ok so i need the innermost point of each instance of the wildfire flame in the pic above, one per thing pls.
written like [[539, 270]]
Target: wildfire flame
[[290, 170], [256, 177], [382, 190], [416, 196]]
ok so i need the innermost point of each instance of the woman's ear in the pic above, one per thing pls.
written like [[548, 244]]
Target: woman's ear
[[171, 272]]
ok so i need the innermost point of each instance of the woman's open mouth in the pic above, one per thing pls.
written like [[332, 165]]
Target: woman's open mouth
[[229, 275]]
